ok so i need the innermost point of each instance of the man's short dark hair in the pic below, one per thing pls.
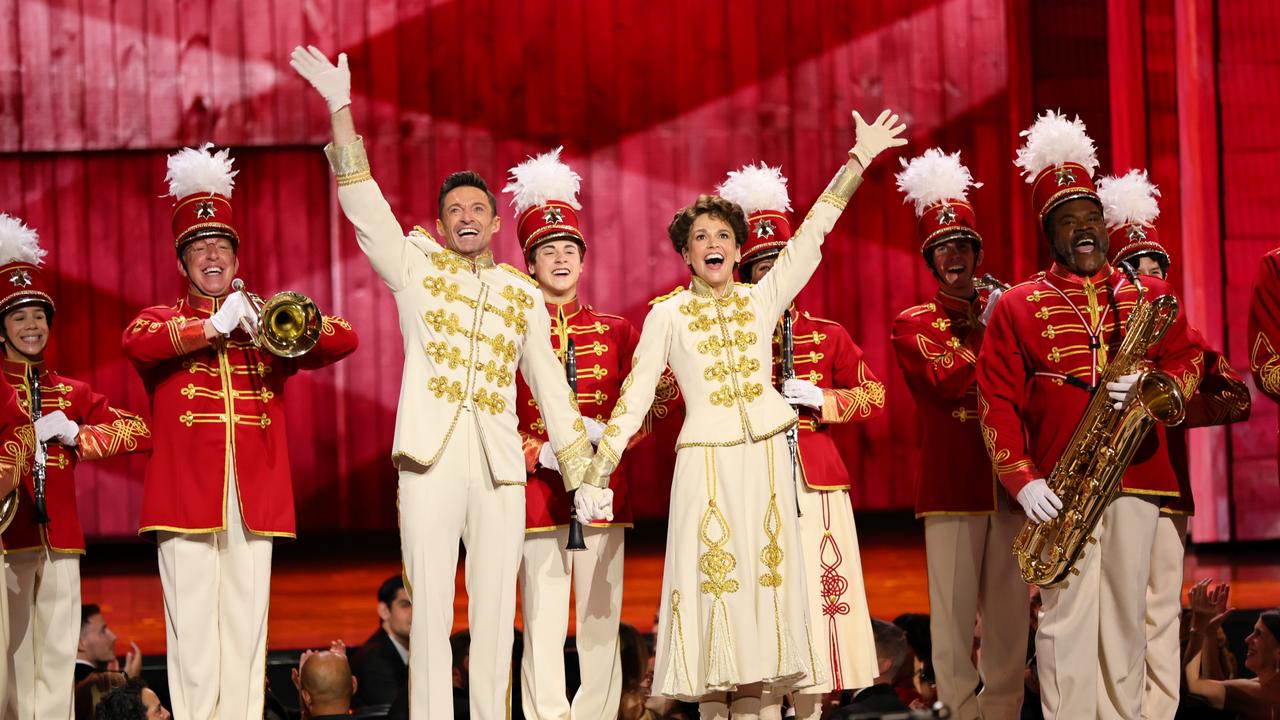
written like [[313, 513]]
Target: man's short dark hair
[[891, 643], [87, 611], [715, 206], [123, 703], [388, 589], [466, 178]]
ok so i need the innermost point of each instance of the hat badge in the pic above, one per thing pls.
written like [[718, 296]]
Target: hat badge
[[205, 210], [765, 228], [1065, 176], [552, 214], [946, 215], [1137, 232], [20, 278]]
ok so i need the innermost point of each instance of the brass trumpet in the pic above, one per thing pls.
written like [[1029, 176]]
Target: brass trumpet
[[288, 323], [989, 282]]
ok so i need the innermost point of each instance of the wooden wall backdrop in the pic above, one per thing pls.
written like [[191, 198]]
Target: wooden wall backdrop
[[653, 102]]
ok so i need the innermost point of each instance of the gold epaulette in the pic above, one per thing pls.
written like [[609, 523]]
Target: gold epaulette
[[918, 310], [671, 294], [815, 318], [515, 271], [427, 235], [604, 314]]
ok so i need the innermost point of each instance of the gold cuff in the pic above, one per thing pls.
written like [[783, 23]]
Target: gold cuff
[[349, 162], [841, 187]]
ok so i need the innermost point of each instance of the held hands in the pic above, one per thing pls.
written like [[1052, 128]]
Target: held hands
[[593, 504], [333, 82], [1122, 388], [1038, 501], [57, 427], [595, 430], [992, 299], [1208, 606], [237, 309], [877, 137], [802, 392]]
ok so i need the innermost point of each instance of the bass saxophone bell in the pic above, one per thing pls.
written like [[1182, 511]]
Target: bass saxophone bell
[[288, 323]]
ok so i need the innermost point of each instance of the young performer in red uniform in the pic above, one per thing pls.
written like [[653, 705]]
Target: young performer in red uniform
[[217, 489], [545, 197], [969, 521], [72, 423], [1264, 326], [1130, 206], [1046, 345], [832, 385]]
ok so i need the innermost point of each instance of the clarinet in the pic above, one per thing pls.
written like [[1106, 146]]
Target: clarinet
[[38, 463], [576, 541], [793, 432]]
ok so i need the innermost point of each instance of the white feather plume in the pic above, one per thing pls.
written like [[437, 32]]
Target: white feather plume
[[541, 179], [1052, 140], [934, 177], [755, 188], [1129, 198], [18, 243], [193, 170]]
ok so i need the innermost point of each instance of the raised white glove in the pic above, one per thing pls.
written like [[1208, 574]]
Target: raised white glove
[[1038, 501], [877, 137], [593, 504], [333, 82], [57, 426], [992, 299], [1121, 387], [802, 392], [547, 457], [236, 310], [595, 430]]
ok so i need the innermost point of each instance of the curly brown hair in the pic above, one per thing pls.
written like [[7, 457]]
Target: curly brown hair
[[715, 206]]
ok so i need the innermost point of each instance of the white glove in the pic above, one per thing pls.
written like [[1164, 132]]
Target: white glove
[[1038, 501], [992, 299], [333, 82], [547, 457], [593, 504], [802, 392], [1120, 389], [595, 430], [236, 310], [57, 426], [877, 137]]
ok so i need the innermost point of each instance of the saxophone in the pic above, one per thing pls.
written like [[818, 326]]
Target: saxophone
[[1087, 477]]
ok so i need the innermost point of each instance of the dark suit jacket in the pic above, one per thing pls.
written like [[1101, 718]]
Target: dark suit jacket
[[379, 671], [872, 700]]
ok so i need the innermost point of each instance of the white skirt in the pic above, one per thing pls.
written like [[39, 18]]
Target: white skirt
[[734, 601]]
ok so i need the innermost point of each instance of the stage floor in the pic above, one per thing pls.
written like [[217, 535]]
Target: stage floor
[[324, 588]]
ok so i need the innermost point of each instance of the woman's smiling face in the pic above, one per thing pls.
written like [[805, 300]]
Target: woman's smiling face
[[712, 250]]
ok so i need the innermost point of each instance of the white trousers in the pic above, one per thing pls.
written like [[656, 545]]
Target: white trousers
[[457, 498], [44, 632], [546, 573], [217, 588], [1090, 645], [972, 572], [1164, 615]]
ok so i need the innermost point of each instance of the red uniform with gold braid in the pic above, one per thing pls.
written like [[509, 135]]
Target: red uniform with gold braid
[[1264, 326], [1046, 346], [969, 524], [217, 488], [1131, 207], [17, 447], [44, 603], [838, 387]]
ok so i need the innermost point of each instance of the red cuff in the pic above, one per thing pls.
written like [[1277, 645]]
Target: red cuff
[[1019, 477]]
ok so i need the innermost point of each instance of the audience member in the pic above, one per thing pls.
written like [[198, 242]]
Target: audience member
[[381, 665], [636, 675], [325, 685], [892, 652], [915, 682], [131, 701], [1254, 698], [97, 667]]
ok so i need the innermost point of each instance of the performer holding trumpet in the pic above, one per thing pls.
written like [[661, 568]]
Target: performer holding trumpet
[[217, 489]]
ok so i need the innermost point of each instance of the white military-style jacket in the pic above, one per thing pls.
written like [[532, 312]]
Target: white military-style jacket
[[468, 325]]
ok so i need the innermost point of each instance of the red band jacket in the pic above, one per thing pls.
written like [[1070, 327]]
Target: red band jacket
[[825, 355], [1047, 344], [937, 346], [603, 345], [104, 431], [1264, 327], [217, 411]]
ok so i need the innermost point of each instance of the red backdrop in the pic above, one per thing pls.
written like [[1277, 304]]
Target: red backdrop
[[654, 101]]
